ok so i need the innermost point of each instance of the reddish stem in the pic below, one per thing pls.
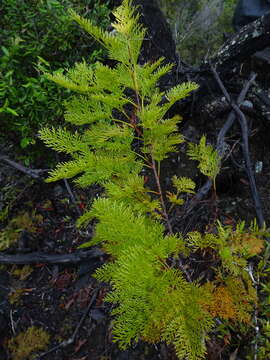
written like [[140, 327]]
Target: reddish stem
[[161, 196]]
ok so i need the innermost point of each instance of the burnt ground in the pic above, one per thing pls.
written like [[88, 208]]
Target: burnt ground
[[56, 297]]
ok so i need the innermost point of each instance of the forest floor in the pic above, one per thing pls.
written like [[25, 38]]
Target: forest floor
[[37, 216]]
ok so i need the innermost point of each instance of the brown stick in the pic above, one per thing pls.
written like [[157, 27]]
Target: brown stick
[[245, 148], [34, 173], [161, 196]]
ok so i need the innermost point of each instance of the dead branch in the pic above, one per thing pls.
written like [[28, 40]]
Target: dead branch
[[42, 258], [245, 148], [34, 173], [250, 39], [37, 175]]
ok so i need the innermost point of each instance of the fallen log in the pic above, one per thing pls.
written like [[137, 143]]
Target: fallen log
[[250, 39], [43, 258]]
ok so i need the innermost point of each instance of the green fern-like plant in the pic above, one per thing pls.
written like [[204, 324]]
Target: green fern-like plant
[[234, 246], [125, 128], [208, 158]]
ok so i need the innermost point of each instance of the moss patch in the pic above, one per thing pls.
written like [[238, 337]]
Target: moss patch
[[32, 340]]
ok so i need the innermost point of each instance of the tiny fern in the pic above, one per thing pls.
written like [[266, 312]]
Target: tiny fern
[[208, 158], [118, 108]]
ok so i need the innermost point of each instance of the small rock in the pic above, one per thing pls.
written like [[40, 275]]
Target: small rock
[[58, 190]]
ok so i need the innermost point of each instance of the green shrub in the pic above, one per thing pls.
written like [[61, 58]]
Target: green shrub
[[33, 34], [123, 128]]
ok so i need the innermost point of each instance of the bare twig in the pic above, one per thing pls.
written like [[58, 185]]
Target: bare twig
[[165, 213], [12, 322], [72, 197], [37, 175], [255, 315], [34, 173], [245, 147]]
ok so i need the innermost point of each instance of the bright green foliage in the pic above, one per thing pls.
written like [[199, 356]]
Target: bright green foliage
[[155, 301], [182, 185], [129, 33], [39, 36], [125, 129], [209, 161], [133, 192], [105, 149]]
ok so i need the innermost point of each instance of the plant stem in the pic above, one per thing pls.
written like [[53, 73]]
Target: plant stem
[[134, 80], [155, 169], [161, 196]]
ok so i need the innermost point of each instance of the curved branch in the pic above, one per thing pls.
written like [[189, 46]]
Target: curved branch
[[245, 147]]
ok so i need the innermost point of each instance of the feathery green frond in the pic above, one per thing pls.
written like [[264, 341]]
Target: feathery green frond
[[63, 140], [114, 103], [113, 216], [149, 74], [126, 19], [132, 192], [105, 168], [69, 169], [161, 145], [102, 36], [77, 79], [209, 160], [111, 137], [81, 110], [62, 80], [183, 184], [107, 80], [131, 33], [187, 330], [162, 139], [151, 115], [180, 92], [198, 241], [126, 44]]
